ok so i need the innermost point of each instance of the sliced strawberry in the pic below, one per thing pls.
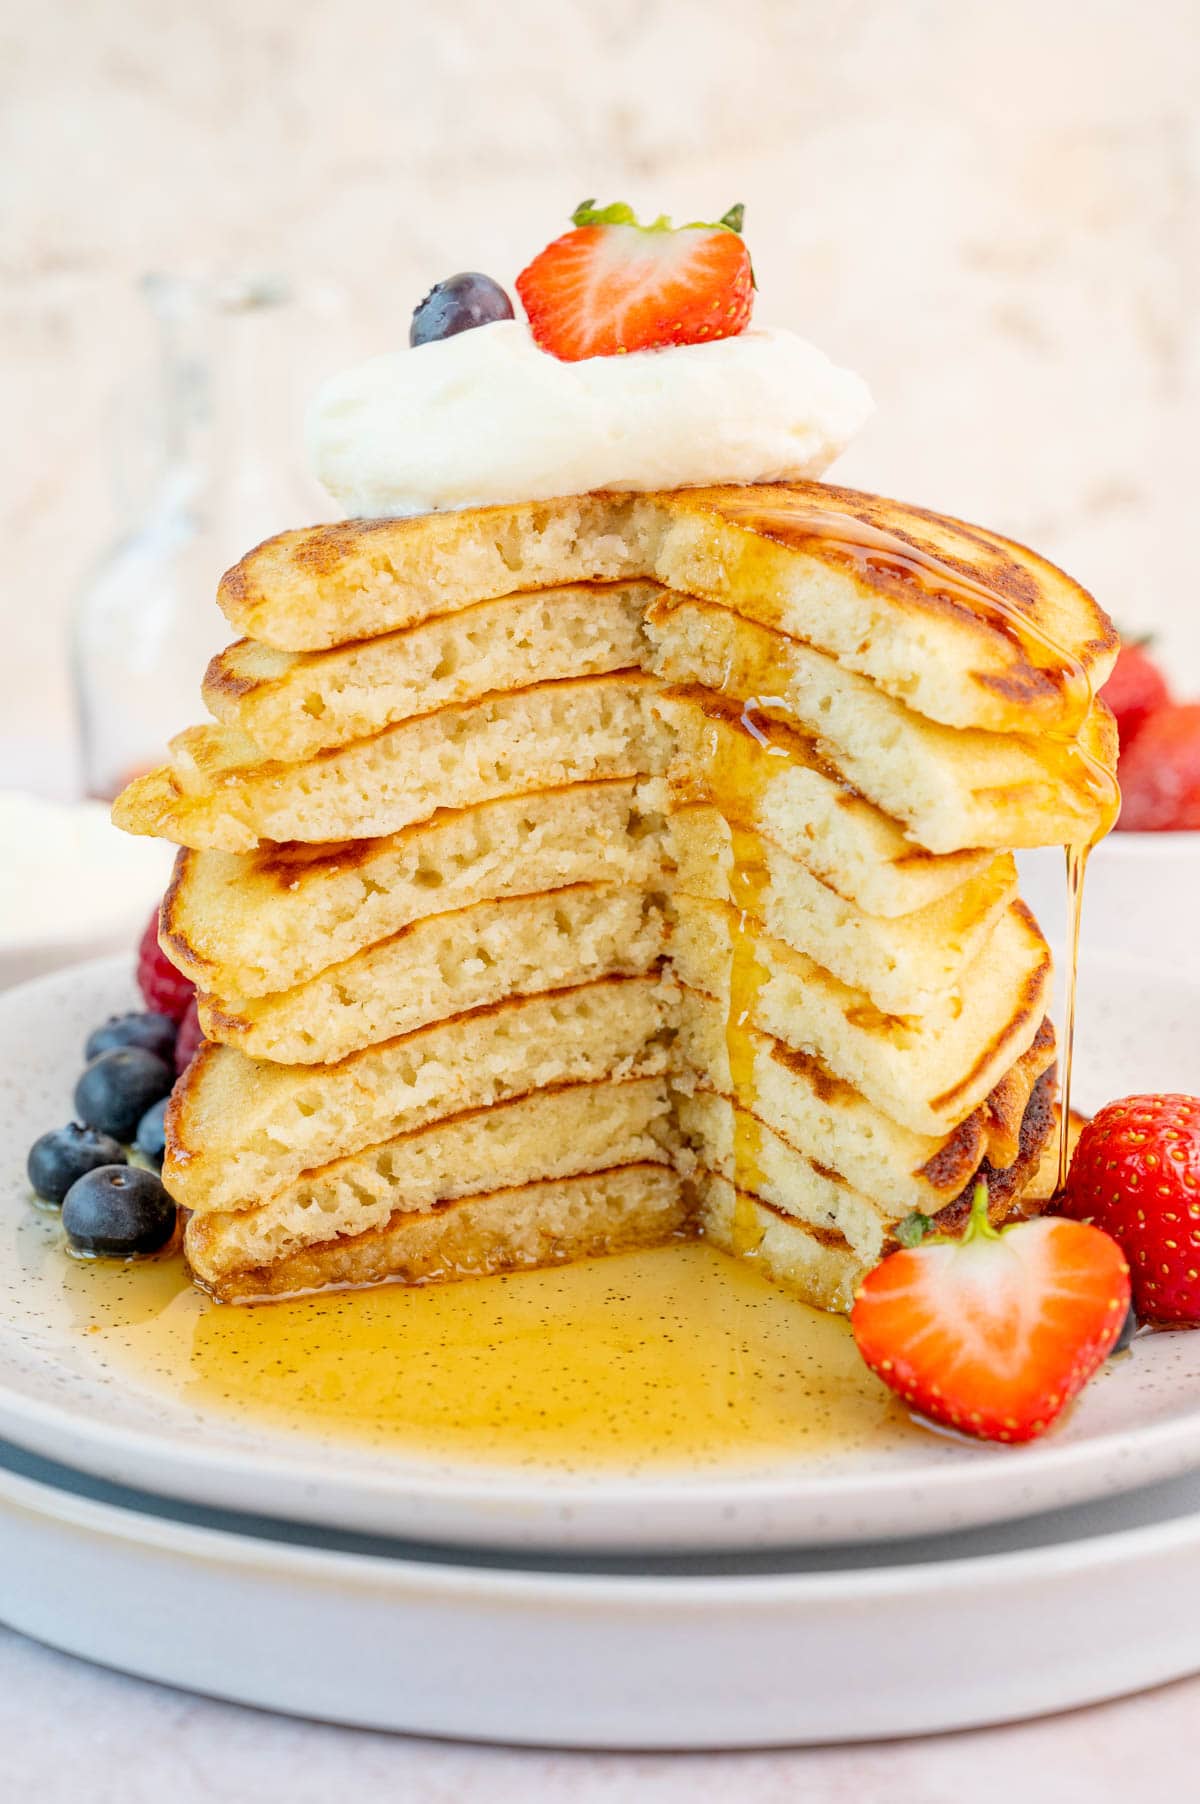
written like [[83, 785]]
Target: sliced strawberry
[[995, 1333], [613, 285], [1160, 772], [1136, 1174], [1134, 690]]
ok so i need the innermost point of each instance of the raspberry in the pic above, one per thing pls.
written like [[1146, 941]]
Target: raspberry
[[190, 1039], [166, 990]]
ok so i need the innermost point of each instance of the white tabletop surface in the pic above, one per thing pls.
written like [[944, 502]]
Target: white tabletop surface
[[69, 1731]]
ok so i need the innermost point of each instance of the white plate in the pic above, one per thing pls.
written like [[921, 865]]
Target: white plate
[[1140, 1421], [834, 1645], [70, 888], [1143, 883]]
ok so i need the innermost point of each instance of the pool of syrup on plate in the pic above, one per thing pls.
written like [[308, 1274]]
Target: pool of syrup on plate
[[674, 1356]]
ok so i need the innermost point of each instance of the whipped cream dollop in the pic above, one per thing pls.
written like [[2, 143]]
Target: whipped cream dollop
[[486, 417]]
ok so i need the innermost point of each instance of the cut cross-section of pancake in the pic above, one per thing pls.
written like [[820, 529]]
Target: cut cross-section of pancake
[[447, 965], [558, 1132], [822, 1260], [250, 923], [239, 1130], [219, 792], [902, 963], [294, 704], [948, 788], [797, 1095], [927, 1071], [601, 1212], [771, 777]]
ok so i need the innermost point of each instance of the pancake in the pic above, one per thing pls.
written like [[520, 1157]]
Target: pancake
[[772, 778], [548, 1134], [796, 1095], [245, 924], [819, 1261], [926, 1072], [948, 789], [521, 1147], [294, 704], [1043, 1184], [433, 1237], [560, 1130], [240, 1130], [955, 621], [446, 965], [574, 876], [219, 793], [902, 963], [601, 1212]]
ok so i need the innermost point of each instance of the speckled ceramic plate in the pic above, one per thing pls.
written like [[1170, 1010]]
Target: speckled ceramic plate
[[616, 1652], [62, 1397]]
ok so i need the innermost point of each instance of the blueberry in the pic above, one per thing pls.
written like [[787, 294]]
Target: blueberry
[[117, 1088], [155, 1032], [151, 1137], [1129, 1328], [119, 1210], [456, 305], [64, 1154]]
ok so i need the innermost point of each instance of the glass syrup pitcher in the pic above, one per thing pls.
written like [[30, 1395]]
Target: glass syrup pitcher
[[238, 363]]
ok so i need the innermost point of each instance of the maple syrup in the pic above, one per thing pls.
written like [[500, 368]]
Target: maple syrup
[[736, 778], [871, 551], [1077, 857], [675, 1356], [747, 976]]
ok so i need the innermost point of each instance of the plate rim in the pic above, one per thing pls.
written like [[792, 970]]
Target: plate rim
[[1062, 1553], [434, 1622]]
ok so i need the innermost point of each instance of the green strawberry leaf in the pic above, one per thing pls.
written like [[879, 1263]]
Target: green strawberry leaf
[[587, 213], [912, 1230]]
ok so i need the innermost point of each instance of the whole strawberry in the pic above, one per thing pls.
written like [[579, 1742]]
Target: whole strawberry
[[1160, 773], [1136, 1174], [166, 990], [189, 1039], [994, 1333], [1136, 688], [614, 285]]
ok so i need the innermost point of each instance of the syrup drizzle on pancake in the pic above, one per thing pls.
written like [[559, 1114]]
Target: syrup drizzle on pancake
[[747, 883], [874, 552]]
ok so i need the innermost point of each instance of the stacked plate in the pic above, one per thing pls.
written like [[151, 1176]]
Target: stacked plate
[[831, 1597]]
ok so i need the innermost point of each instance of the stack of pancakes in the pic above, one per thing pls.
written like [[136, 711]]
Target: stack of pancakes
[[572, 876]]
